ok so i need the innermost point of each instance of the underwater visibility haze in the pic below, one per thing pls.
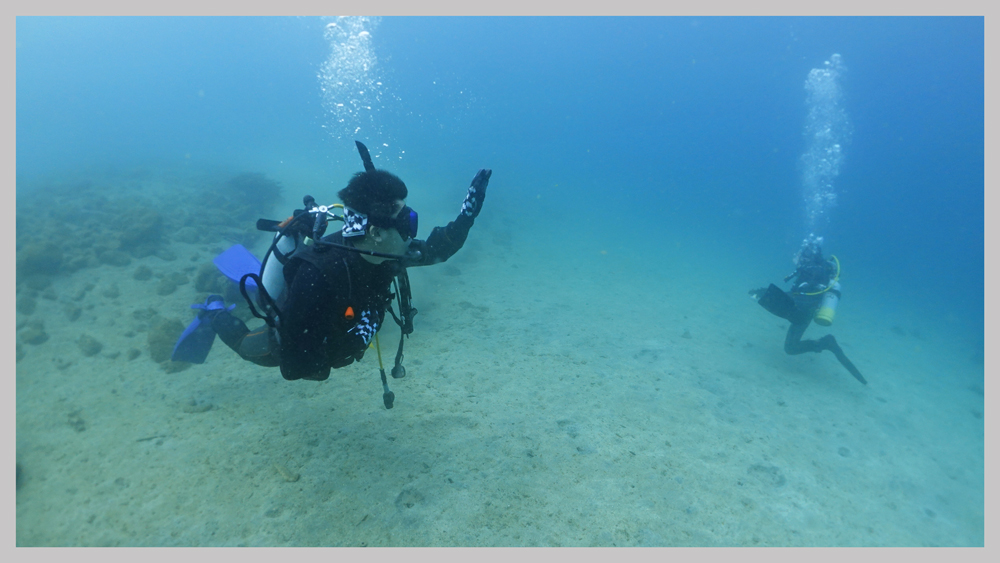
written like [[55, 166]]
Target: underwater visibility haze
[[589, 369]]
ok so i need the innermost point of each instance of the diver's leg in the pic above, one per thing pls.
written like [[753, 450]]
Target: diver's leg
[[259, 347], [795, 345], [793, 340]]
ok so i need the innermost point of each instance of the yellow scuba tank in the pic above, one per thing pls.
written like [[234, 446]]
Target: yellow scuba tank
[[828, 308]]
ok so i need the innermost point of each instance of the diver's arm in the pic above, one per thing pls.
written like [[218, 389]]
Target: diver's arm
[[441, 245], [444, 242]]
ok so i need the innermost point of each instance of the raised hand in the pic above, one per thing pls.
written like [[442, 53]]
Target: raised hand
[[477, 193]]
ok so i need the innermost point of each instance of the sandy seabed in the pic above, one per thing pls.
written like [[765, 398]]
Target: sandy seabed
[[549, 401]]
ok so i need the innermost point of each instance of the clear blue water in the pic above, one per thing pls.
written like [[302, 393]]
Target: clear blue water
[[624, 106], [623, 132]]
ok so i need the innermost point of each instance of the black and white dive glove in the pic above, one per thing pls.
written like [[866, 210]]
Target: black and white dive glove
[[477, 193]]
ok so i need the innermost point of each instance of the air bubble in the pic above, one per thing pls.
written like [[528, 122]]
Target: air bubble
[[348, 83], [827, 128]]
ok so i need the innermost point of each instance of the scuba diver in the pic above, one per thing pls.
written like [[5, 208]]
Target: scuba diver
[[323, 298], [814, 296]]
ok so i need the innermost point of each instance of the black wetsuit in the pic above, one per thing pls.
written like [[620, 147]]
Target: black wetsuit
[[336, 302], [799, 306], [806, 280]]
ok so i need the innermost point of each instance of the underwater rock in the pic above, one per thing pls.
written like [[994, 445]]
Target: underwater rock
[[25, 305], [171, 366], [89, 345], [189, 235], [144, 233], [142, 250], [166, 286], [72, 312], [75, 419], [287, 474], [111, 291], [408, 498], [180, 278], [114, 258], [50, 295], [162, 336], [209, 280], [165, 254], [132, 353], [195, 406], [39, 258], [144, 314], [250, 195], [34, 335], [767, 474], [80, 262], [38, 282], [142, 273]]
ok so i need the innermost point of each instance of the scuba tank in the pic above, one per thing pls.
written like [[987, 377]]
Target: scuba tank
[[290, 235], [831, 296], [272, 271], [828, 308]]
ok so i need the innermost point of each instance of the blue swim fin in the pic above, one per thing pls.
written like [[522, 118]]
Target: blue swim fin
[[197, 339], [237, 261]]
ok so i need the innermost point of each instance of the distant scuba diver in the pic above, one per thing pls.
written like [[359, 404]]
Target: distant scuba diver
[[323, 298], [814, 296]]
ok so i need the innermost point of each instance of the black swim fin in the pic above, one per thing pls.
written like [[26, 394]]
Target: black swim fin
[[779, 303], [830, 343]]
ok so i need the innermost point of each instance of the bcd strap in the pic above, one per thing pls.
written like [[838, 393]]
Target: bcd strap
[[407, 312], [265, 297]]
